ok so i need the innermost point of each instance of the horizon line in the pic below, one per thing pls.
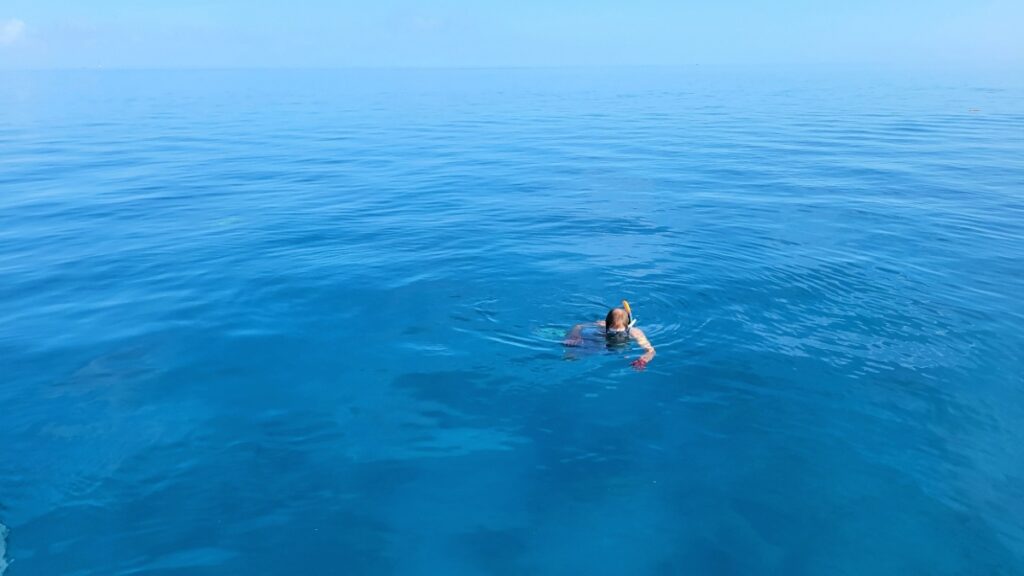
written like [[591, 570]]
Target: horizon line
[[938, 66]]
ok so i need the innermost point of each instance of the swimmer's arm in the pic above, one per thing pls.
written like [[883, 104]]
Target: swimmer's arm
[[578, 329], [643, 342], [575, 335]]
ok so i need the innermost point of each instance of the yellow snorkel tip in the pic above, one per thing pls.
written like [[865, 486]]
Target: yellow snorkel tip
[[629, 312]]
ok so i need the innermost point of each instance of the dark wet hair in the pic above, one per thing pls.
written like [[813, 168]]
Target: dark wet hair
[[618, 338], [612, 315], [609, 319]]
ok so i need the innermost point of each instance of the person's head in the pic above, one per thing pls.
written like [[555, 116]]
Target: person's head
[[617, 319], [616, 328]]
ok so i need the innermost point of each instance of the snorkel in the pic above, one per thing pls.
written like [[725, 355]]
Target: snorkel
[[629, 314]]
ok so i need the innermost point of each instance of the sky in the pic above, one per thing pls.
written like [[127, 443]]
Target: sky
[[454, 33]]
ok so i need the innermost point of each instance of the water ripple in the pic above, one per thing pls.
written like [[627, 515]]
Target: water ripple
[[327, 310]]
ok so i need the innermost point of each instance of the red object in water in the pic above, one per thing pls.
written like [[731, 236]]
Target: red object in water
[[639, 364]]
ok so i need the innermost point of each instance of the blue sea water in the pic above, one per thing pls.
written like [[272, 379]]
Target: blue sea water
[[310, 322]]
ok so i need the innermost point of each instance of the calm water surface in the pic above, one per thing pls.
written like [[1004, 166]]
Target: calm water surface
[[310, 323]]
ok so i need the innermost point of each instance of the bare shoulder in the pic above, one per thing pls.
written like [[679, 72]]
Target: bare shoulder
[[641, 338]]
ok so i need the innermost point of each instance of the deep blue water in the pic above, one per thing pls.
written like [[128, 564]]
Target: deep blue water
[[310, 322]]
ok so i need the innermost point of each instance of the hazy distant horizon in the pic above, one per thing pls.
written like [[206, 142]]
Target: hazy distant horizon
[[1001, 70], [400, 34]]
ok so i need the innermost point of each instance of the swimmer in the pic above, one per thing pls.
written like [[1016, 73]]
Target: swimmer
[[619, 328]]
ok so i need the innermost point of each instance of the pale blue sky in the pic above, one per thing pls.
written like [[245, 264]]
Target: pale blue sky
[[321, 33]]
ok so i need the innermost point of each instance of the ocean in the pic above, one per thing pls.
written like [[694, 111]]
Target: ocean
[[311, 322]]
